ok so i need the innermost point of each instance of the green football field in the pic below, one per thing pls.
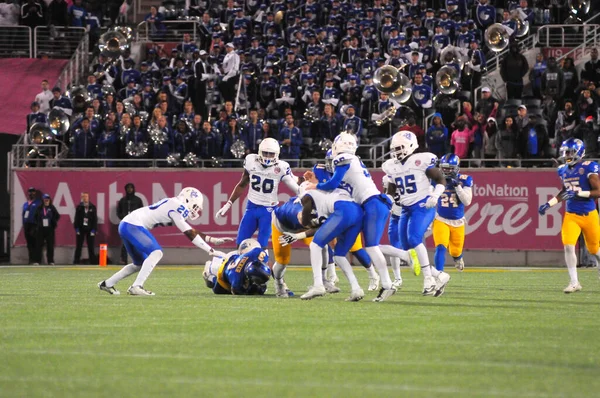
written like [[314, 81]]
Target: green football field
[[507, 333]]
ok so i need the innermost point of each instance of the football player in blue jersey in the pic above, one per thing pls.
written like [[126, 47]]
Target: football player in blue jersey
[[580, 189], [263, 172], [241, 272], [449, 223]]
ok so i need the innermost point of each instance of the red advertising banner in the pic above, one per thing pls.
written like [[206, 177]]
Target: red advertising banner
[[503, 215]]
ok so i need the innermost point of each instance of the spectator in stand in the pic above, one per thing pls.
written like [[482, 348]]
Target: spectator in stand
[[126, 205], [35, 116], [533, 140], [46, 217], [184, 138], [329, 125], [571, 78], [253, 131], [160, 148], [108, 145], [78, 14], [44, 98], [586, 105], [522, 119], [489, 140], [30, 225], [32, 14], [591, 69], [84, 144], [411, 125], [437, 136], [513, 68], [155, 20], [462, 138], [586, 130], [352, 123], [536, 74], [231, 68], [232, 133], [208, 143], [290, 139], [61, 102], [58, 13], [553, 80], [506, 141], [487, 103], [86, 224]]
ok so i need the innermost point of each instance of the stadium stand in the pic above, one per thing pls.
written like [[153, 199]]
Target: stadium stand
[[202, 85]]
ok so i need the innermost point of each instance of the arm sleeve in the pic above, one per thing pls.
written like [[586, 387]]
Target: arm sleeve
[[179, 221], [290, 181], [336, 179], [465, 195]]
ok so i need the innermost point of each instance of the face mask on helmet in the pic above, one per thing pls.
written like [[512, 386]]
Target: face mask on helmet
[[569, 156], [258, 273], [329, 161], [267, 158]]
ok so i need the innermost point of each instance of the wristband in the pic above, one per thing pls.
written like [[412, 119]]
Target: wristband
[[200, 243], [209, 239], [552, 202], [583, 194], [301, 235]]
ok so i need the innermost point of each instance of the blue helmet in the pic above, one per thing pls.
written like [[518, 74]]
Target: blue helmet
[[450, 165], [329, 161], [571, 151], [258, 272]]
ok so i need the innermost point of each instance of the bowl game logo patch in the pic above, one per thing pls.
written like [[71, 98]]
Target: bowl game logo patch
[[417, 162], [277, 170], [581, 170]]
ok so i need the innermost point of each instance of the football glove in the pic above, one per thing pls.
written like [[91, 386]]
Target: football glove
[[218, 241], [454, 181], [431, 202], [567, 194], [543, 209], [287, 239], [224, 209]]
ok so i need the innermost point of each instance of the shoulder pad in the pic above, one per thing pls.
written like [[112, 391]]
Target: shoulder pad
[[587, 162], [342, 159], [591, 166]]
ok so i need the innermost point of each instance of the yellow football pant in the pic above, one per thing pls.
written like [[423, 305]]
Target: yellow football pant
[[574, 224], [451, 237]]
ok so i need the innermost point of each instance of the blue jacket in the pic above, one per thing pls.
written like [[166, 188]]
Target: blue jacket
[[29, 209], [84, 144], [292, 151]]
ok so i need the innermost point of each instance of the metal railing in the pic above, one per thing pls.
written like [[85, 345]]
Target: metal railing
[[16, 42], [565, 35], [590, 42], [174, 31], [77, 66], [58, 41]]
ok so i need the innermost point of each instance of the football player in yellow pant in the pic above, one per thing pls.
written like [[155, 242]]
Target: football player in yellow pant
[[449, 222], [581, 189]]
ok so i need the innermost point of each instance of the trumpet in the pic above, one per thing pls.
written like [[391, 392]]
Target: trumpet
[[497, 37], [389, 80], [446, 79], [386, 116]]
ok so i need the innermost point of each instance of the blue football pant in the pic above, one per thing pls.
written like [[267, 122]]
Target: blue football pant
[[413, 225], [344, 224], [256, 218], [376, 211], [138, 241]]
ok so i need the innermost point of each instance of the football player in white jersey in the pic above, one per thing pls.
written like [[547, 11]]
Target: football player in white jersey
[[411, 175], [263, 172], [329, 215], [143, 248], [351, 175]]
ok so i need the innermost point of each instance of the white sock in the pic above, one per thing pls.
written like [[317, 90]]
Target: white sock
[[147, 267], [278, 270], [331, 270], [395, 261], [571, 260], [122, 274], [371, 271], [422, 254], [346, 268], [380, 265], [324, 273], [426, 271], [316, 262], [392, 251]]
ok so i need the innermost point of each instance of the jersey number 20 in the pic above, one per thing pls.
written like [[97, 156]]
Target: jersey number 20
[[406, 185], [266, 186]]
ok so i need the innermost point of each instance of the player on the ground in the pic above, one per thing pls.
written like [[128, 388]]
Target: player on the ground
[[322, 173], [241, 272], [449, 223], [263, 172], [411, 174], [285, 220], [330, 215], [143, 248], [351, 175], [581, 189]]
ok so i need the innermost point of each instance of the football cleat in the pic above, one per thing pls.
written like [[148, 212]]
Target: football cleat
[[572, 288], [356, 295], [313, 292], [139, 291], [415, 264], [110, 290], [384, 294], [374, 283], [428, 286], [397, 283], [334, 279], [330, 287], [459, 264], [280, 291], [440, 283]]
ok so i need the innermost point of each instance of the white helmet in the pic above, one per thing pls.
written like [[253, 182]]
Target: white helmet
[[247, 245], [193, 200], [403, 144], [268, 151], [344, 143]]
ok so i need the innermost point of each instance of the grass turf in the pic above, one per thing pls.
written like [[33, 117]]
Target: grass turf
[[504, 333]]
